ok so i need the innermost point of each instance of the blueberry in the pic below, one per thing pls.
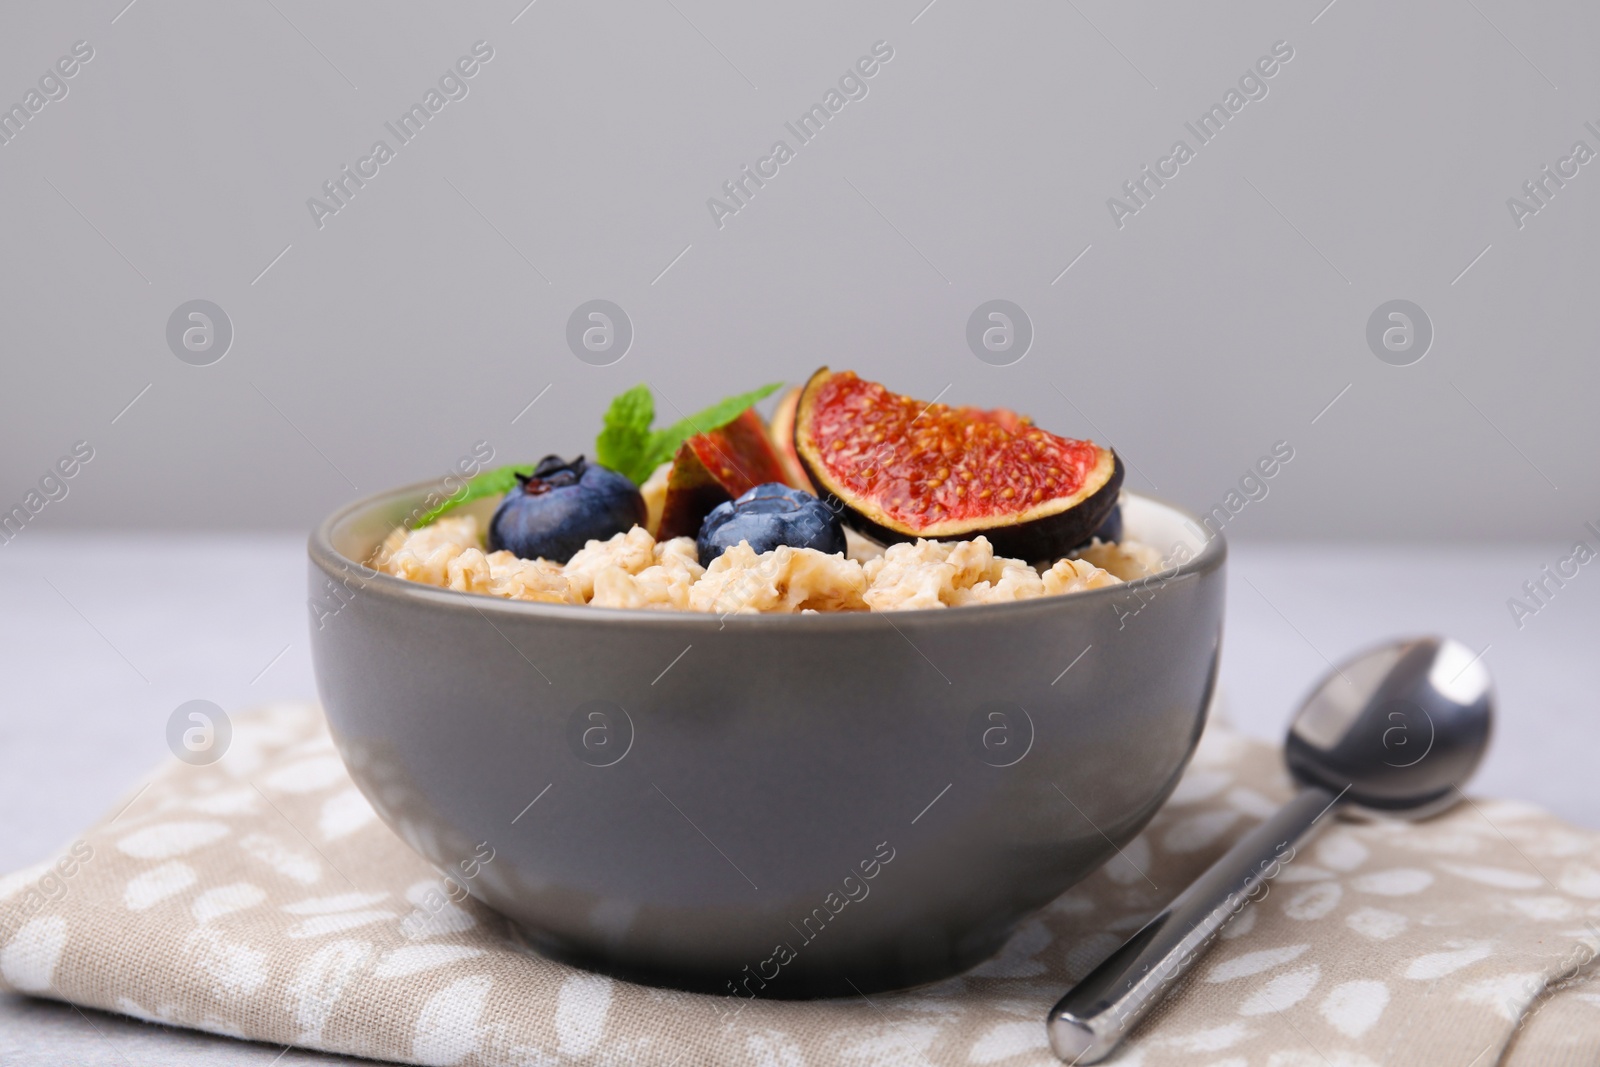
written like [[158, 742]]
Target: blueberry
[[1110, 530], [555, 510], [768, 516]]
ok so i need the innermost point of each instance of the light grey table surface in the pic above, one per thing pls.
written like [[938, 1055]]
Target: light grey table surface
[[102, 636]]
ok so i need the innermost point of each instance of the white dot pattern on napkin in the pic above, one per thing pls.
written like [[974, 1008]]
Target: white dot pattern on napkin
[[1248, 963], [415, 959], [1545, 908], [235, 971], [447, 1029], [1376, 923], [224, 900], [344, 813], [306, 920], [1314, 902], [1341, 850], [1196, 832], [1500, 877], [1353, 1008], [285, 859], [772, 1048], [171, 839], [307, 776], [581, 1007], [1007, 1040], [1438, 964], [318, 984], [1282, 991], [1580, 881], [337, 902], [1400, 882], [28, 961], [151, 887]]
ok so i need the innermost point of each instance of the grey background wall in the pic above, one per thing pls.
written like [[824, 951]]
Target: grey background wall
[[1227, 314]]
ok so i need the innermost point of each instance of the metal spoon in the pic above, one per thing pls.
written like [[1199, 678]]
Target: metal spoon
[[1395, 731]]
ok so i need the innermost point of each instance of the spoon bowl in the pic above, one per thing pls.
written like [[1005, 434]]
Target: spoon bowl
[[1394, 731]]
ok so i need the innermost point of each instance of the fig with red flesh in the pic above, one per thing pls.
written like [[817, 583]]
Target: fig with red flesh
[[903, 469], [715, 466]]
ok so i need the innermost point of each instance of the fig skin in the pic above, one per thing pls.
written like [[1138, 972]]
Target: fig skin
[[1045, 535], [717, 466], [1047, 538]]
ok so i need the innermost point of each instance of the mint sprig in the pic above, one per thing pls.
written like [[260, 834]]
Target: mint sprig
[[624, 441], [626, 444], [497, 482]]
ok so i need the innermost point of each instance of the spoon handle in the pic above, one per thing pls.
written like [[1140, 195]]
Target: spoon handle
[[1089, 1022]]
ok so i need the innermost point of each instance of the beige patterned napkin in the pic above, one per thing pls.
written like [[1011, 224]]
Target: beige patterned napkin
[[260, 897]]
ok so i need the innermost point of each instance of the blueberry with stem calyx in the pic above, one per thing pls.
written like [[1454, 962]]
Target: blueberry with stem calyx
[[561, 506], [768, 516]]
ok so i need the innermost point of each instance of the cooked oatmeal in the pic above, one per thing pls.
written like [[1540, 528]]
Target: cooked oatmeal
[[1128, 560], [448, 554], [634, 570], [783, 581]]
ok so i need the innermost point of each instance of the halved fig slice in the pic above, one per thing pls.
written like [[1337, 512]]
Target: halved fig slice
[[715, 466], [902, 469], [782, 430]]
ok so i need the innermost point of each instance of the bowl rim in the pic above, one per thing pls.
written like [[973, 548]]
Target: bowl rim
[[335, 564]]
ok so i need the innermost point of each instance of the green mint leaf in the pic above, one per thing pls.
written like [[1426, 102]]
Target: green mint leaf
[[497, 482], [623, 444], [663, 444]]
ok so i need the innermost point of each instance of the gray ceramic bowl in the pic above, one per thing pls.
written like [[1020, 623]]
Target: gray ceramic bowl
[[790, 806]]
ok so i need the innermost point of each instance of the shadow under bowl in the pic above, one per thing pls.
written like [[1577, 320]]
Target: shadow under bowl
[[789, 806]]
